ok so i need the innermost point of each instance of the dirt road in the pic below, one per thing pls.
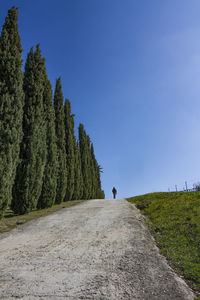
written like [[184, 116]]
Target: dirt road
[[100, 249]]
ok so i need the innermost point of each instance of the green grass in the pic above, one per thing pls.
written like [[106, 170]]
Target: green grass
[[10, 220], [174, 220]]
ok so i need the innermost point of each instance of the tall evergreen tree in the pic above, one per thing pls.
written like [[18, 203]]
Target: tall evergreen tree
[[48, 193], [78, 178], [83, 142], [90, 169], [11, 105], [28, 181], [70, 150], [60, 134], [99, 193], [94, 167]]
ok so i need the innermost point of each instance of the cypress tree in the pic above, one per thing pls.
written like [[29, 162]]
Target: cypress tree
[[99, 193], [70, 150], [90, 169], [94, 167], [84, 153], [28, 182], [48, 193], [11, 105], [60, 134], [78, 178]]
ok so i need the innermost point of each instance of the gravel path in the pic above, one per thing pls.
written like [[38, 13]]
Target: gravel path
[[99, 249]]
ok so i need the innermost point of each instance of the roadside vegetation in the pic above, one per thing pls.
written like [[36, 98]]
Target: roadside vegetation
[[42, 162], [10, 220], [174, 220]]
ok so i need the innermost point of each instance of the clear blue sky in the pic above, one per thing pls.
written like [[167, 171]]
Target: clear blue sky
[[131, 70]]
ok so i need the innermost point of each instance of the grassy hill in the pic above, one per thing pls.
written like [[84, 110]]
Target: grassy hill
[[174, 220]]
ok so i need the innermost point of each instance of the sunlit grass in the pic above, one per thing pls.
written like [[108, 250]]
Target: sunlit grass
[[174, 219]]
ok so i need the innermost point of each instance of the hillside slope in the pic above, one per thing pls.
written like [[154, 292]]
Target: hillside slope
[[174, 219]]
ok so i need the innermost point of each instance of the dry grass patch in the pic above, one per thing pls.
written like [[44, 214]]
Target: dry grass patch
[[10, 220]]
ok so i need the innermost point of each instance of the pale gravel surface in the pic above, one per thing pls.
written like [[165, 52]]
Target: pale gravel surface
[[100, 249]]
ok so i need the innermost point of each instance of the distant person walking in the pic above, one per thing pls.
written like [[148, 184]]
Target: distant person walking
[[114, 192]]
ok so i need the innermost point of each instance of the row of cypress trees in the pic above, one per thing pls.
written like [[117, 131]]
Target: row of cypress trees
[[41, 161]]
